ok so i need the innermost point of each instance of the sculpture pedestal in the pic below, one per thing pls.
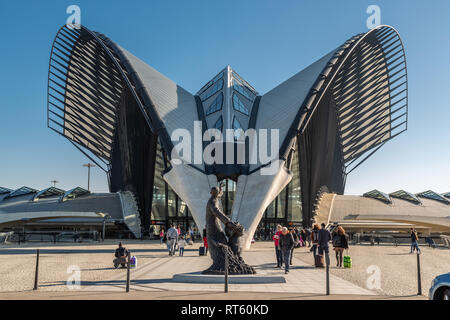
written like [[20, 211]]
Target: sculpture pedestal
[[198, 277]]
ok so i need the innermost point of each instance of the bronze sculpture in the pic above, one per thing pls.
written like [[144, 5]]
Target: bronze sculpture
[[222, 243]]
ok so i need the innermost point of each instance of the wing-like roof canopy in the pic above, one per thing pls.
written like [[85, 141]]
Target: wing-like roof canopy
[[48, 192], [20, 192], [74, 193], [405, 195], [375, 194], [4, 190], [430, 194]]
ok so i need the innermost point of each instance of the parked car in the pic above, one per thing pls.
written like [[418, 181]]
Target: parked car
[[440, 287]]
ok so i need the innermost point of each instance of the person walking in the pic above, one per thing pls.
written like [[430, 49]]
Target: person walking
[[205, 242], [276, 239], [286, 244], [324, 238], [161, 235], [308, 237], [314, 239], [303, 237], [414, 241], [295, 236], [181, 245], [172, 239], [340, 243]]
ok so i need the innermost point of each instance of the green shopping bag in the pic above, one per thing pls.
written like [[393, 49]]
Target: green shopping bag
[[347, 261]]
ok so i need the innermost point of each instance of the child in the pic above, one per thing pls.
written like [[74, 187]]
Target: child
[[181, 245]]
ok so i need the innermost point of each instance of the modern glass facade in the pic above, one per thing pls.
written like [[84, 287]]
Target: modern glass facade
[[168, 208]]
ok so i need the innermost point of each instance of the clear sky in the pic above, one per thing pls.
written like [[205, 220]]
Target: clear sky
[[265, 41]]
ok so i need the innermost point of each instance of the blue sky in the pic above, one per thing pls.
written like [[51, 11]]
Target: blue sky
[[189, 41]]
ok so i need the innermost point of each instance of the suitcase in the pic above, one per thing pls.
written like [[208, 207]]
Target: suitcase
[[347, 262], [201, 251], [318, 261]]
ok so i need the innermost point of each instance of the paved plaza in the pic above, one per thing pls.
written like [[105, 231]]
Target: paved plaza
[[156, 269]]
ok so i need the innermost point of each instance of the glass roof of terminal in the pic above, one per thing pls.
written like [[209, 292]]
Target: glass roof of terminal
[[20, 192], [216, 86], [4, 190], [52, 191], [239, 88], [447, 195], [74, 193], [433, 196], [239, 105], [375, 194], [405, 195], [216, 105]]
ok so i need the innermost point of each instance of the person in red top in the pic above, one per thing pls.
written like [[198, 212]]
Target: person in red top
[[205, 241], [161, 235], [276, 238]]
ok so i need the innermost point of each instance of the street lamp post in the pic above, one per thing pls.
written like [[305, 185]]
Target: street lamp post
[[89, 166], [54, 182]]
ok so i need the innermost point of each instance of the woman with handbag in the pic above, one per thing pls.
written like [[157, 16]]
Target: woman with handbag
[[340, 243]]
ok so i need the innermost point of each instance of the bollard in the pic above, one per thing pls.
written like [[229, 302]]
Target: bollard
[[128, 272], [36, 274], [327, 260], [419, 280], [226, 272]]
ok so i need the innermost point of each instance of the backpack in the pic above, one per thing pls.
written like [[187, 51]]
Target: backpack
[[337, 241]]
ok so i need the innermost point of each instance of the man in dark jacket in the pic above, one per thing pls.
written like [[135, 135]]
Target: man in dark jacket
[[121, 256], [286, 243], [324, 238]]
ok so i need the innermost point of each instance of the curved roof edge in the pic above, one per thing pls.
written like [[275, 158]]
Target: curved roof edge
[[326, 78]]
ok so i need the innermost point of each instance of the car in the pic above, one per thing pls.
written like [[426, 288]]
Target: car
[[440, 287]]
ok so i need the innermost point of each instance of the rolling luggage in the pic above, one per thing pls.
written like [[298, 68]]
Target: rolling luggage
[[318, 261], [201, 251]]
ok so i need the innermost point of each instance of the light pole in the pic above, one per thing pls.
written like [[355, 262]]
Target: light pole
[[89, 166], [54, 182]]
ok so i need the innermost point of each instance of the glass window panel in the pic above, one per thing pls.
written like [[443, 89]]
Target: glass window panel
[[182, 210], [281, 204], [159, 189], [215, 88], [433, 195], [216, 105], [375, 194], [294, 196], [239, 88], [238, 105], [270, 211], [171, 203]]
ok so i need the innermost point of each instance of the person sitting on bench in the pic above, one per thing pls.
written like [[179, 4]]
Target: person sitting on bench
[[121, 256]]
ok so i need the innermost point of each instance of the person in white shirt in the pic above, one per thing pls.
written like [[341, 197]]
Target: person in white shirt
[[172, 239]]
